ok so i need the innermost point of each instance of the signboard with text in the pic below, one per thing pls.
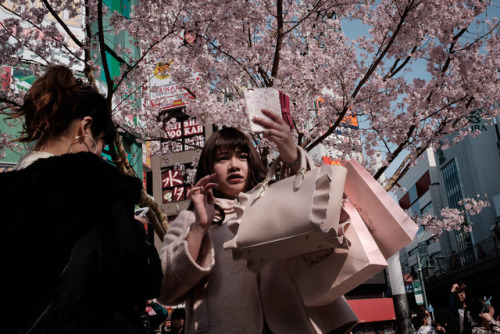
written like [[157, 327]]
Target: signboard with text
[[174, 186], [417, 290], [164, 92], [184, 136]]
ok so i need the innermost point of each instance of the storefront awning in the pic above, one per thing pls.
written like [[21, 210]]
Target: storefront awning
[[373, 309]]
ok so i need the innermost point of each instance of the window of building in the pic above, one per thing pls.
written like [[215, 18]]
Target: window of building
[[415, 209], [427, 209], [454, 194], [412, 252], [413, 194], [452, 184]]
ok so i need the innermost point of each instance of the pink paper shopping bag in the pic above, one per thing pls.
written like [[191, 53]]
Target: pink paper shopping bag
[[323, 276], [388, 223]]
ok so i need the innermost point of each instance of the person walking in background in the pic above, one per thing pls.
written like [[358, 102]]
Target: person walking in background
[[153, 316], [223, 295], [423, 322], [74, 259], [177, 320], [482, 313], [457, 305]]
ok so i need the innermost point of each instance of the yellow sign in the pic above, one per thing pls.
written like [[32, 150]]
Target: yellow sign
[[348, 120], [162, 70]]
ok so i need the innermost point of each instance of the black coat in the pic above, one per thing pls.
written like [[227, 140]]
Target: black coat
[[70, 247]]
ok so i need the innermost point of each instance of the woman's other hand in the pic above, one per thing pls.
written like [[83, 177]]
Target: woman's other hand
[[202, 198], [486, 316]]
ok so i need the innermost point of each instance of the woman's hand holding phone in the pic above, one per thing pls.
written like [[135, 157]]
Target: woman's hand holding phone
[[277, 131]]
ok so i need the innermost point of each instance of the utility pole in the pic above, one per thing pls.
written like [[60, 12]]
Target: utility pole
[[421, 276], [401, 307]]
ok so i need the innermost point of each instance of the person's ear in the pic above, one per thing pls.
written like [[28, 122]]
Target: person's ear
[[85, 125]]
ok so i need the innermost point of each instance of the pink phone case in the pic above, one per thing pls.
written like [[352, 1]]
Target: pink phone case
[[257, 99]]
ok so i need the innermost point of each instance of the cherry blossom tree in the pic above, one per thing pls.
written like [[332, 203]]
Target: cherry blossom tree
[[452, 218], [411, 79]]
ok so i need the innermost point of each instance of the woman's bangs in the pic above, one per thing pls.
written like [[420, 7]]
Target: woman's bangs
[[230, 141]]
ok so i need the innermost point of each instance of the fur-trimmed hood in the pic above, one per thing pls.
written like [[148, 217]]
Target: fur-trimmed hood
[[73, 211], [52, 192]]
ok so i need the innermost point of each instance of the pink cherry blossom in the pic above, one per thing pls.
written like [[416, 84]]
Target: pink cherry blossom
[[411, 76]]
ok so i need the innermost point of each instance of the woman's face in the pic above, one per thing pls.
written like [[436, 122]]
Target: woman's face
[[427, 318], [231, 172], [177, 323], [460, 296]]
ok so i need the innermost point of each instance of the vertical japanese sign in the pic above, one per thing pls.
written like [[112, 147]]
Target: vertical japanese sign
[[146, 154], [417, 290], [174, 188], [5, 78]]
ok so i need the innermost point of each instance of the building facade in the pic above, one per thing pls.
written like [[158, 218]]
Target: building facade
[[441, 179]]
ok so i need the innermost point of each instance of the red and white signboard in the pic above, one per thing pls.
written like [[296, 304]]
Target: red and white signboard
[[164, 93]]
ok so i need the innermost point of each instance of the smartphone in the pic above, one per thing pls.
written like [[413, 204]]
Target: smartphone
[[257, 99], [141, 212], [271, 99]]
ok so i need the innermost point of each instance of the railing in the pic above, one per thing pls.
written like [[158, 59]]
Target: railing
[[478, 252]]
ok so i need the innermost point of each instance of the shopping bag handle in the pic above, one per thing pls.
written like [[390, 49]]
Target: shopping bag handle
[[306, 163]]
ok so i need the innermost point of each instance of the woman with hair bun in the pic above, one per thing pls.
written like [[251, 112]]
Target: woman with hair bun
[[73, 258]]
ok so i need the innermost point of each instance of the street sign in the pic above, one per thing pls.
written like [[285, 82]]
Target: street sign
[[407, 278], [431, 309], [417, 290]]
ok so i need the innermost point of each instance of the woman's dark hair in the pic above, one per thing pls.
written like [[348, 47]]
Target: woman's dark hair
[[55, 100], [178, 313], [462, 287], [231, 139], [476, 307], [420, 316]]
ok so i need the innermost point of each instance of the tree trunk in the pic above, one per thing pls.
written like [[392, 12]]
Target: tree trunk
[[156, 216]]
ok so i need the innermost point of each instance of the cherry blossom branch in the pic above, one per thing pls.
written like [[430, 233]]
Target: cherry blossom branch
[[454, 218], [39, 29], [393, 71], [381, 56], [305, 17], [126, 98], [365, 78], [28, 47], [481, 37], [88, 69], [412, 128], [62, 24], [212, 44], [138, 61]]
